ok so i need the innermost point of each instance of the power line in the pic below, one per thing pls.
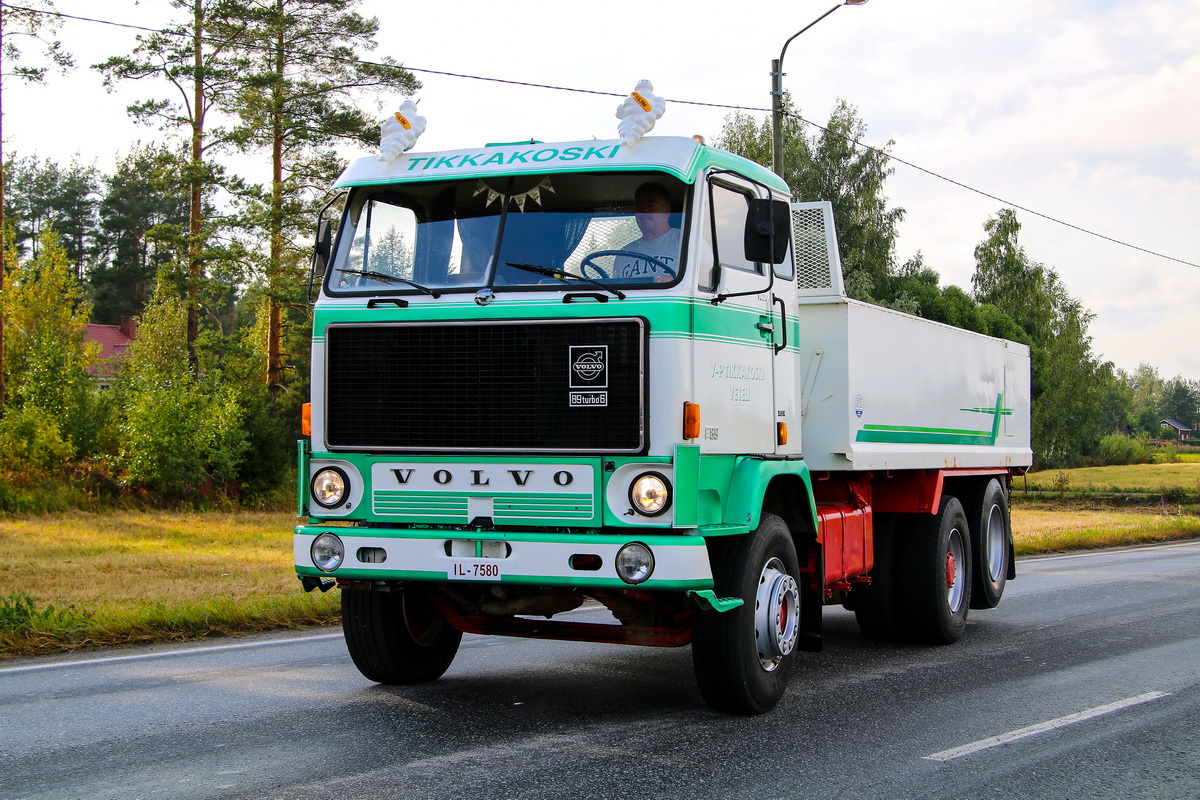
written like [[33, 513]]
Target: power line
[[982, 193], [576, 90]]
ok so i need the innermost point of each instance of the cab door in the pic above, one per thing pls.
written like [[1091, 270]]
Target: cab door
[[738, 326]]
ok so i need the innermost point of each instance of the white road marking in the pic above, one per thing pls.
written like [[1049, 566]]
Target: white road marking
[[1043, 727], [166, 654], [210, 649], [1108, 551]]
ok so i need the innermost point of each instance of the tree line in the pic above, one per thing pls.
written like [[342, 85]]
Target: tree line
[[1082, 406], [213, 265]]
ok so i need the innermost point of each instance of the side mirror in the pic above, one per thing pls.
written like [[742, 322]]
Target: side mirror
[[322, 250], [767, 230], [323, 245]]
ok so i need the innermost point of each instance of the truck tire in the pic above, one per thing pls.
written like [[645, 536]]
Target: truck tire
[[875, 606], [743, 657], [936, 559], [397, 637], [991, 542]]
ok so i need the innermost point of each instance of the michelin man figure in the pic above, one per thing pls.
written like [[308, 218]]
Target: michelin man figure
[[400, 131], [639, 112]]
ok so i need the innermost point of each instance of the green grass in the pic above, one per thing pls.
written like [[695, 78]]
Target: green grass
[[120, 578], [1041, 527], [1173, 479]]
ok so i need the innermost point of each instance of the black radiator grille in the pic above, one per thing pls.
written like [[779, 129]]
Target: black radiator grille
[[486, 386]]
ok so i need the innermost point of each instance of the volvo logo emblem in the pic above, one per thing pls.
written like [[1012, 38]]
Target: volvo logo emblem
[[589, 367], [484, 296]]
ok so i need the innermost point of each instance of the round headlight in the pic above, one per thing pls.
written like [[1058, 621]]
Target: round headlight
[[635, 563], [327, 552], [650, 494], [330, 487]]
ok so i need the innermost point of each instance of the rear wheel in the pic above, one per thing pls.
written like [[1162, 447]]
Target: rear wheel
[[991, 542], [397, 637], [874, 606], [937, 574], [743, 657]]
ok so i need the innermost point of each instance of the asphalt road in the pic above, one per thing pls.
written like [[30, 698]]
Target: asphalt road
[[1084, 683]]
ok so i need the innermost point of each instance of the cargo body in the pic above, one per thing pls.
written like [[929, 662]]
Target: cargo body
[[531, 392]]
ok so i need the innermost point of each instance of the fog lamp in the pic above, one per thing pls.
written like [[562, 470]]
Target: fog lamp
[[327, 552], [635, 563]]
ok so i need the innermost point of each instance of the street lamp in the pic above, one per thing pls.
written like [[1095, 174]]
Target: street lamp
[[777, 90]]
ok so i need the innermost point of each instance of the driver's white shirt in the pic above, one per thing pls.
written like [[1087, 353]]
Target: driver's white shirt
[[665, 248]]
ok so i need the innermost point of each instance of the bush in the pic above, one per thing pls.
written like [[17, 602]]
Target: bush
[[32, 447], [180, 443], [1116, 450]]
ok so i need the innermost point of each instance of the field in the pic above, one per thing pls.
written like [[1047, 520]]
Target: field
[[83, 580], [1171, 479]]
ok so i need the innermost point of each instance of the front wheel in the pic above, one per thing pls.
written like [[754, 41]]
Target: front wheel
[[743, 657], [397, 637]]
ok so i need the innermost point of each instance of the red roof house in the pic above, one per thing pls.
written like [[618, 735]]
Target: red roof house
[[114, 341]]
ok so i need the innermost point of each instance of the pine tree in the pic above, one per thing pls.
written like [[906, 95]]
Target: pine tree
[[303, 80], [200, 67]]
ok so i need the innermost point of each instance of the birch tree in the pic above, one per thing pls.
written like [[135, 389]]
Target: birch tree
[[20, 27]]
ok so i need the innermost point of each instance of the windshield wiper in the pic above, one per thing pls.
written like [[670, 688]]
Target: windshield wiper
[[392, 279], [558, 275]]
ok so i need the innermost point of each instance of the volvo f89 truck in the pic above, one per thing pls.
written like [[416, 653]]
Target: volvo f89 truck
[[546, 375]]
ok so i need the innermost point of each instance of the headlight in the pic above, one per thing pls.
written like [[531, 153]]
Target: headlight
[[330, 487], [327, 552], [650, 494], [635, 563]]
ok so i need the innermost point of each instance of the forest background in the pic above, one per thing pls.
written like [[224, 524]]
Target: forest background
[[205, 407]]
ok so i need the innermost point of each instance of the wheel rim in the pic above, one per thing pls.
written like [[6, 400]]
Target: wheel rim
[[956, 579], [996, 549], [776, 615]]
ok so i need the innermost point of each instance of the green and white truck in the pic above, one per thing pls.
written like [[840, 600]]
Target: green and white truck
[[550, 374]]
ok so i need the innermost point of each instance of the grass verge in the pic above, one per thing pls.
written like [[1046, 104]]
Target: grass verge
[[83, 580], [80, 580], [1040, 527]]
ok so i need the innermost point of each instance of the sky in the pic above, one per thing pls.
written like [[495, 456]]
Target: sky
[[1081, 111]]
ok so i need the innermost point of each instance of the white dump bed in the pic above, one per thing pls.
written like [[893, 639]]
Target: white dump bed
[[884, 390]]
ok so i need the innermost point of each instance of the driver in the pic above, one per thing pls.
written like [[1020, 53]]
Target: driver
[[651, 208]]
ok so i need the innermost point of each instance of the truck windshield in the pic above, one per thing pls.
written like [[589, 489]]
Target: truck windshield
[[620, 229]]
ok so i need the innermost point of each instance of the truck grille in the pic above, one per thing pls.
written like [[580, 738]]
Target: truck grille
[[487, 387]]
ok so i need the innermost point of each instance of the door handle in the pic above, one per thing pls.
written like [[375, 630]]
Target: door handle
[[782, 321]]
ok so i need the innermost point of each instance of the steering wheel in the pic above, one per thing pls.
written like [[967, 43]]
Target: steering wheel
[[589, 262]]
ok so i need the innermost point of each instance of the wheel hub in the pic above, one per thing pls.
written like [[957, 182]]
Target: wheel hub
[[956, 579], [776, 615]]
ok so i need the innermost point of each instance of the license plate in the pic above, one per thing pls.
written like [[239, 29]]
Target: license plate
[[474, 570]]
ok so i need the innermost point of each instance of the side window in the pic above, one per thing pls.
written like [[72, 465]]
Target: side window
[[723, 237]]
